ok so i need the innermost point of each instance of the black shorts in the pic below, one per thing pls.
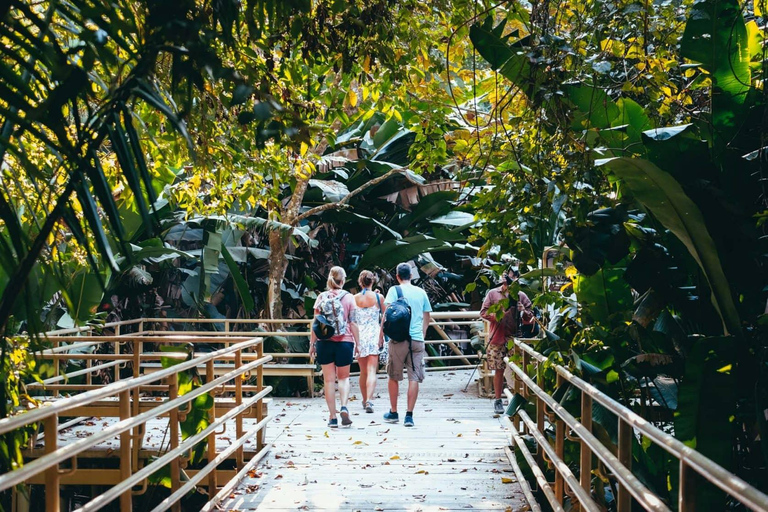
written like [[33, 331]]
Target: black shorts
[[339, 353]]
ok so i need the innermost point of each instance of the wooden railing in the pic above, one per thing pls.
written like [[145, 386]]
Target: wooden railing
[[125, 401], [444, 324], [73, 398], [694, 468]]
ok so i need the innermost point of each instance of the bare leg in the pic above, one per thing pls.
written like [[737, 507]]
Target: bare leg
[[373, 367], [394, 390], [498, 383], [363, 363], [329, 382], [342, 373], [413, 394]]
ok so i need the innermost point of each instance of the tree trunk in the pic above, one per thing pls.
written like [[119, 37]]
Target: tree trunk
[[278, 245], [278, 263]]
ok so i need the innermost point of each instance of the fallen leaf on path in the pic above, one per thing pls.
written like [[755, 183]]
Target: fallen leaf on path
[[507, 480], [394, 457]]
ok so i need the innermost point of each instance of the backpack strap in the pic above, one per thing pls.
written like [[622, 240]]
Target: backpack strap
[[378, 302], [399, 291]]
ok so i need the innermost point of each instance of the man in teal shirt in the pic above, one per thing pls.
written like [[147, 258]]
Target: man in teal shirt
[[402, 353]]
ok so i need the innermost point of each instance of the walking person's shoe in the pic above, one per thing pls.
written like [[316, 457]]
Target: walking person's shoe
[[391, 417], [345, 421], [408, 422], [498, 407], [369, 407], [333, 423]]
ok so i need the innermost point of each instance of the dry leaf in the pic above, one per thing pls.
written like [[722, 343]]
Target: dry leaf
[[507, 480], [459, 435], [326, 434], [394, 457]]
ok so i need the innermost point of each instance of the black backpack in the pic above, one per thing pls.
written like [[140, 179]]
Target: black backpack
[[397, 319]]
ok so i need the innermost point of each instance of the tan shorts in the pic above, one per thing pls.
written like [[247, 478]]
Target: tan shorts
[[400, 357], [496, 355]]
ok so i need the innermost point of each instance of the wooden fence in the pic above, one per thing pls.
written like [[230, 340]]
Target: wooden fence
[[78, 417], [694, 468], [125, 408]]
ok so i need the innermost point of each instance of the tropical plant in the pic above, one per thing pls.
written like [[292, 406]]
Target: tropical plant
[[670, 267]]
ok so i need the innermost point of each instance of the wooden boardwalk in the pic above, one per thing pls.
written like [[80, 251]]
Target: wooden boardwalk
[[452, 460]]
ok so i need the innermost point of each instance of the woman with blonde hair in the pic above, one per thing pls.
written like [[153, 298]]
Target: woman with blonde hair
[[334, 340], [370, 307]]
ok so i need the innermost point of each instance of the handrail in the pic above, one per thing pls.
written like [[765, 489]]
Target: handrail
[[46, 461], [91, 327], [147, 471], [436, 315], [641, 493], [629, 420], [36, 415], [193, 481], [131, 426]]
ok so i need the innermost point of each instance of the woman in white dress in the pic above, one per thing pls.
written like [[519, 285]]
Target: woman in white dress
[[370, 307]]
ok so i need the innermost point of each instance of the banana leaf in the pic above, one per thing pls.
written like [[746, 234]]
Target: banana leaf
[[663, 196]]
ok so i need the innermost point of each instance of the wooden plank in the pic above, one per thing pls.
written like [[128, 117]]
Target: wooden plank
[[452, 460]]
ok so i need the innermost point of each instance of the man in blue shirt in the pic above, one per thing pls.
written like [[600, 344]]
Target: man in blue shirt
[[403, 353]]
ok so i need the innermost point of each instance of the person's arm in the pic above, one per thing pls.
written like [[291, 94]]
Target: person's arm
[[381, 327], [312, 341], [312, 337], [387, 301], [524, 306], [487, 303], [427, 317], [356, 335], [352, 320]]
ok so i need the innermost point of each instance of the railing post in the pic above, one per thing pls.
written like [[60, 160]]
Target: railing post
[[238, 401], [88, 379], [52, 476], [212, 483], [137, 432], [259, 388], [56, 364], [173, 393], [585, 456], [126, 499], [116, 349], [559, 449], [540, 413], [687, 497], [526, 362], [518, 385], [624, 501]]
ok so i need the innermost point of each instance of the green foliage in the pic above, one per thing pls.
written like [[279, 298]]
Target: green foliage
[[662, 195]]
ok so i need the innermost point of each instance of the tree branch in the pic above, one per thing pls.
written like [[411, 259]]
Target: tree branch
[[343, 202]]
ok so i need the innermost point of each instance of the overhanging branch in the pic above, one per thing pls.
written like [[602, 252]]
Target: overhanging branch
[[344, 200]]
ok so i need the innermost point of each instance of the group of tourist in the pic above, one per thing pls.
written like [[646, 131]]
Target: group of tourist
[[349, 326]]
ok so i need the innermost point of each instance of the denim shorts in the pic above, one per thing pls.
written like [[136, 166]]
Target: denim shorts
[[339, 353]]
